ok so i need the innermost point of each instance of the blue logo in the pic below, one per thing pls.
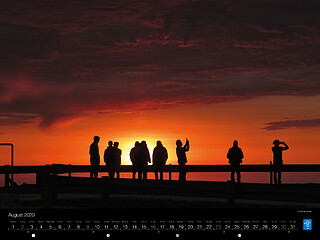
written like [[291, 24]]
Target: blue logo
[[307, 224]]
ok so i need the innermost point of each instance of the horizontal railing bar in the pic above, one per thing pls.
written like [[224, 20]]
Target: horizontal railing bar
[[60, 168]]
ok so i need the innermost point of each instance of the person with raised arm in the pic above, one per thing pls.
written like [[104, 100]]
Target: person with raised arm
[[182, 158], [277, 159]]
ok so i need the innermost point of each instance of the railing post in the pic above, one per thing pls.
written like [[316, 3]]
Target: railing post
[[69, 171], [271, 169], [12, 152], [170, 174]]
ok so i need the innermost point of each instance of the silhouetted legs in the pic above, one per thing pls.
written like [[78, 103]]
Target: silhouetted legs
[[93, 174], [277, 177], [111, 174], [135, 169], [277, 174], [235, 169], [94, 170], [144, 173], [238, 176], [157, 177], [158, 169], [182, 172]]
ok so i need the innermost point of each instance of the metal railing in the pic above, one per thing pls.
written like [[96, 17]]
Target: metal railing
[[69, 169], [9, 169]]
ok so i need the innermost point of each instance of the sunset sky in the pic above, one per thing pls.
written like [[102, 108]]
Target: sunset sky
[[211, 71]]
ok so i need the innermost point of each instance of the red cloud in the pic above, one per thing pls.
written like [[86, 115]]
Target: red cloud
[[123, 56], [20, 87]]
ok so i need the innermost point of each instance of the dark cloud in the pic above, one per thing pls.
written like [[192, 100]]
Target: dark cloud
[[61, 59], [16, 119], [293, 124]]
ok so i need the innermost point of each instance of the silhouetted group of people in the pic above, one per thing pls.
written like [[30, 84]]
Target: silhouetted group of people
[[112, 159], [140, 158]]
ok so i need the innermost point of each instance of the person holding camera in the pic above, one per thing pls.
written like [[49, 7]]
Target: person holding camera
[[277, 159], [182, 158]]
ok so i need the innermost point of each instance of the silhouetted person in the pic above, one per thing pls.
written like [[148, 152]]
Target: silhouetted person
[[182, 158], [235, 156], [94, 157], [109, 159], [159, 159], [134, 157], [277, 159], [143, 160], [117, 158]]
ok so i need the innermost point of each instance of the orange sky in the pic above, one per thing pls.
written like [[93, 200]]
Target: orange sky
[[210, 129]]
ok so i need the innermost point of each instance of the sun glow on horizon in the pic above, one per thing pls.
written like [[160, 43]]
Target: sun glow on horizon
[[126, 144]]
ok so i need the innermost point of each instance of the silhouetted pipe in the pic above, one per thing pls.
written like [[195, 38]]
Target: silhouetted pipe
[[12, 170], [7, 177]]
